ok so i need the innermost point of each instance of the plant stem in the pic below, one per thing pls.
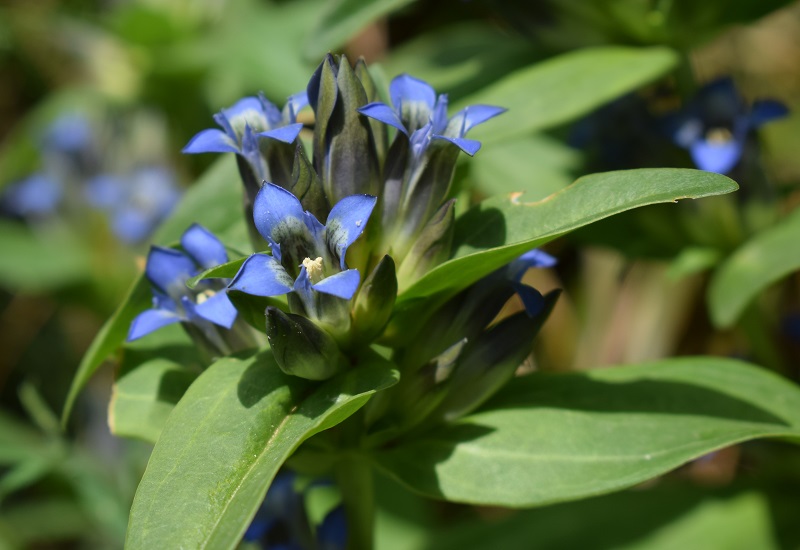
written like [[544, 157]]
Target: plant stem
[[354, 478]]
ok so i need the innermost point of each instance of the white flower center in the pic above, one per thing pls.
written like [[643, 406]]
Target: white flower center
[[314, 269], [205, 295], [719, 135]]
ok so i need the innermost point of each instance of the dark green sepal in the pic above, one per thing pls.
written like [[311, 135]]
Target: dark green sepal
[[491, 360], [431, 248], [307, 186], [379, 130], [301, 348], [374, 303]]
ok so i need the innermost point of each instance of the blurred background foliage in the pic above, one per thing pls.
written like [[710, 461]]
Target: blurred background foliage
[[591, 86]]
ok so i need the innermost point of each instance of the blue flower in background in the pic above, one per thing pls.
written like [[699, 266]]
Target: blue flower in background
[[715, 125], [247, 120], [532, 299], [168, 270], [69, 133], [306, 255], [136, 203], [421, 116], [37, 195]]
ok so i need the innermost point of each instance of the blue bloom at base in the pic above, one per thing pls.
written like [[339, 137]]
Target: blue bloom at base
[[173, 302]]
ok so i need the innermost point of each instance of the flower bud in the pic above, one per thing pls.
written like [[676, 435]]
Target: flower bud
[[301, 348], [491, 361], [431, 248], [374, 303]]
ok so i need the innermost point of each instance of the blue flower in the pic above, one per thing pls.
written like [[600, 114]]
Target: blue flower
[[306, 255], [37, 195], [422, 117], [135, 203], [532, 299], [69, 133], [247, 120], [715, 125], [168, 270]]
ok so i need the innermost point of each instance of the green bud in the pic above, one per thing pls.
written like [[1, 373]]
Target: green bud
[[379, 130], [491, 361], [374, 303], [431, 248], [301, 348], [306, 185]]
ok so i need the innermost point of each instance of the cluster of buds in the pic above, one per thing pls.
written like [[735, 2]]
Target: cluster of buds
[[380, 177]]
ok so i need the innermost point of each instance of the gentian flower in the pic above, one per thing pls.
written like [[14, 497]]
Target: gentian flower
[[168, 270], [716, 123], [37, 195], [135, 203], [306, 255], [422, 117], [69, 133], [532, 299], [247, 120]]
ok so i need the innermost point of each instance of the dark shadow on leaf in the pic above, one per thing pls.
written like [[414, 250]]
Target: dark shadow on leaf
[[579, 392], [480, 227], [264, 377]]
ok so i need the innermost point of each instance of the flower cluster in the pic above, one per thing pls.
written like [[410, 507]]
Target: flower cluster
[[322, 294]]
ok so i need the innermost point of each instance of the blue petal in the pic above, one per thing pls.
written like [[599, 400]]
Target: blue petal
[[286, 134], [271, 112], [439, 118], [478, 114], [332, 532], [346, 222], [280, 218], [343, 285], [295, 104], [211, 141], [150, 320], [688, 132], [204, 248], [105, 191], [765, 110], [407, 89], [131, 224], [302, 286], [69, 133], [383, 113], [534, 258], [38, 194], [218, 309], [469, 146], [248, 108], [262, 275], [718, 157], [532, 299], [168, 270]]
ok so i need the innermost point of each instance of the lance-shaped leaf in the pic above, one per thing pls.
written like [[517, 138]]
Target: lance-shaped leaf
[[225, 441], [765, 259], [550, 438], [568, 86], [499, 229]]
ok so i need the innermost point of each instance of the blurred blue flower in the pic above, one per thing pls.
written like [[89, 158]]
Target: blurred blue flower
[[168, 270], [37, 195], [136, 203], [306, 255], [69, 133], [715, 124], [332, 532], [247, 120], [420, 115]]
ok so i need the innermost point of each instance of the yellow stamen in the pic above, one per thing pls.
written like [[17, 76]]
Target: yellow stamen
[[314, 269]]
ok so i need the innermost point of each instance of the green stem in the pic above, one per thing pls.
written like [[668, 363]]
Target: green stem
[[354, 478]]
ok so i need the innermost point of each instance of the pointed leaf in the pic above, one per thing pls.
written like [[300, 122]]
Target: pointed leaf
[[499, 229], [225, 441], [550, 438], [765, 259], [566, 87]]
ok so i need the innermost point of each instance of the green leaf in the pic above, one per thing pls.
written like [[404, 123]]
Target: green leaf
[[343, 20], [226, 439], [41, 261], [499, 229], [763, 260], [215, 202], [658, 518], [566, 87], [223, 271], [551, 438], [110, 337]]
